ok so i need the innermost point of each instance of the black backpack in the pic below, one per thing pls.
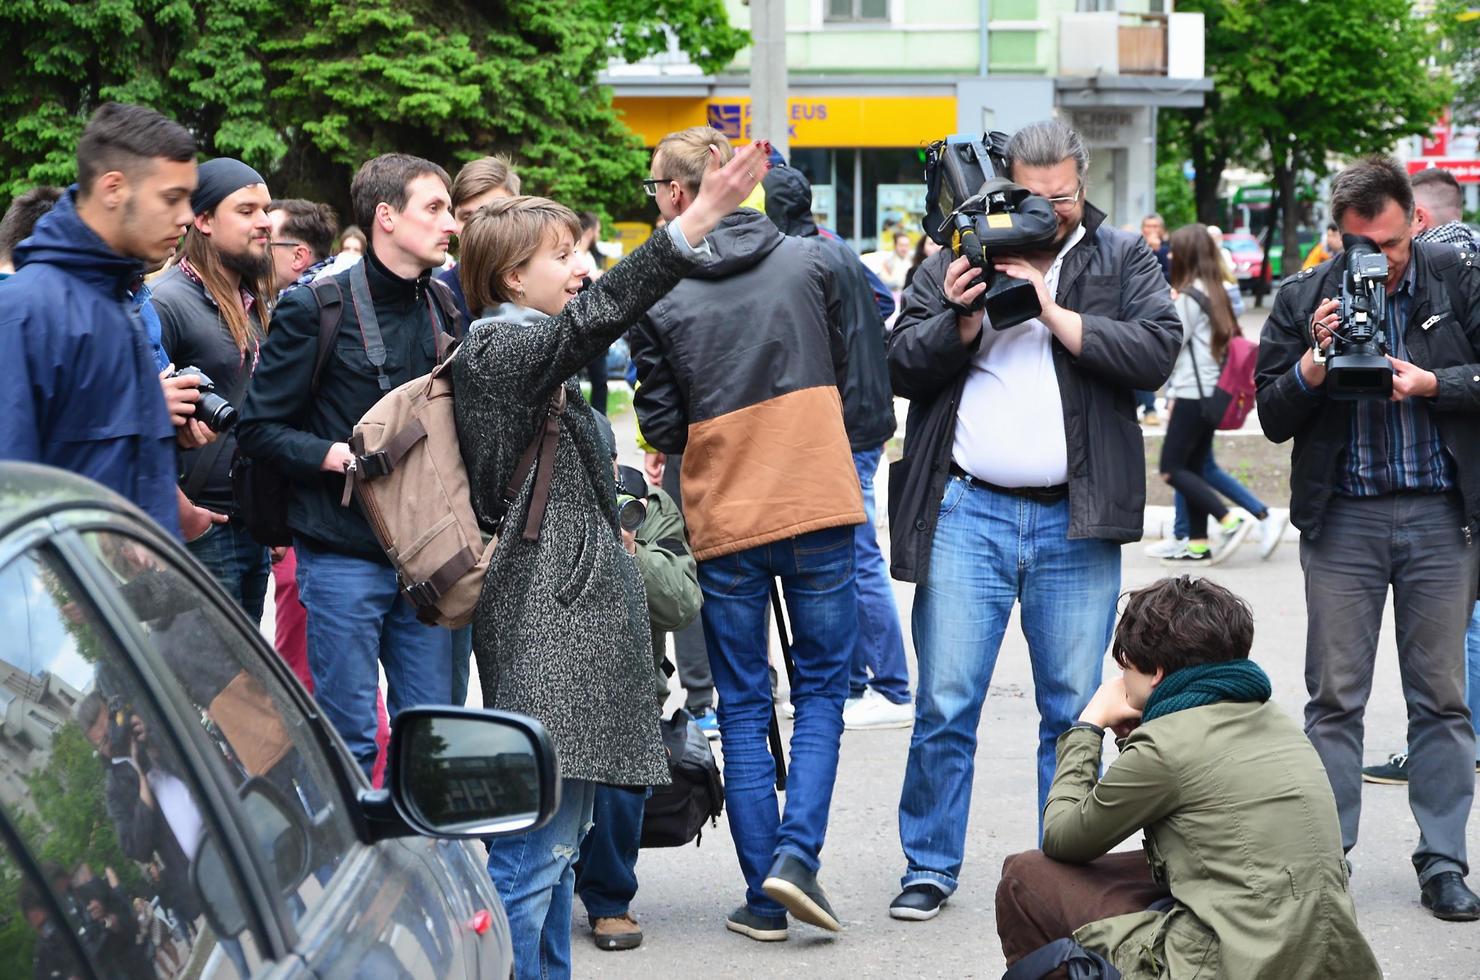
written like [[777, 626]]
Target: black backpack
[[675, 814]]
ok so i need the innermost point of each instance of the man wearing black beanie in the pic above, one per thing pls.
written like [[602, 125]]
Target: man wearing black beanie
[[393, 326], [213, 316]]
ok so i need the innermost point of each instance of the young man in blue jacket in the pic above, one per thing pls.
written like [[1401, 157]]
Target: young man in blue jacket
[[79, 388]]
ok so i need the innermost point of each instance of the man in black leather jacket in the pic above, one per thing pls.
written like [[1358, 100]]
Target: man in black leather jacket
[[1023, 473], [1388, 491]]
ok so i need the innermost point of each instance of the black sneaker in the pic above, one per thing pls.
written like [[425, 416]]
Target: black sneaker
[[917, 903], [794, 885], [761, 928], [1393, 772]]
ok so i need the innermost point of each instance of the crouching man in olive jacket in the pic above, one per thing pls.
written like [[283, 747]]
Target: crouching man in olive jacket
[[1246, 876]]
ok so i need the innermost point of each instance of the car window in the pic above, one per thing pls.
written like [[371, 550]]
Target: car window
[[256, 730], [95, 789]]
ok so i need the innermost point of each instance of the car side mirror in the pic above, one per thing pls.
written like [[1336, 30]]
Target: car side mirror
[[463, 772], [216, 887]]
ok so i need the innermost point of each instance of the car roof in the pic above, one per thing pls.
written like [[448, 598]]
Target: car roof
[[28, 490]]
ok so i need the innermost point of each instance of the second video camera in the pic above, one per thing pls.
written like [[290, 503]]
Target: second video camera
[[973, 209], [1356, 365]]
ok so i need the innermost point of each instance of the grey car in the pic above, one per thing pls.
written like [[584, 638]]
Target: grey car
[[172, 803]]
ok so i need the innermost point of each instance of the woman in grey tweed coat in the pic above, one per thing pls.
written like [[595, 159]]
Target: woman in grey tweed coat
[[561, 630]]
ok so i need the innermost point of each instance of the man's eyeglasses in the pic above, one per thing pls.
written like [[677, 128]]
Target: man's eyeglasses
[[1067, 203], [652, 183], [283, 244]]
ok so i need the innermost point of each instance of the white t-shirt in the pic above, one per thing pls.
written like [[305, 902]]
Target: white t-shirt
[[175, 802], [1010, 423]]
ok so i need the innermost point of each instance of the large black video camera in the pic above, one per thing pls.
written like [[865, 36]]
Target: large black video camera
[[974, 210], [1356, 365]]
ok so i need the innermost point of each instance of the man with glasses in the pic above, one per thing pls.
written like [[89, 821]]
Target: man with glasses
[[302, 243], [1023, 473]]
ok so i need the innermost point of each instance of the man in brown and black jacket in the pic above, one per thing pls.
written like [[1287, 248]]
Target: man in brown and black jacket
[[738, 369]]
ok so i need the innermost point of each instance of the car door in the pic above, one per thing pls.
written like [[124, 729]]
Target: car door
[[101, 810], [352, 909]]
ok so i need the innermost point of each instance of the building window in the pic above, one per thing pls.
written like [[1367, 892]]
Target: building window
[[857, 10]]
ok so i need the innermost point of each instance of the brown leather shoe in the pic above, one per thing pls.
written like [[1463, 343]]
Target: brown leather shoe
[[617, 932]]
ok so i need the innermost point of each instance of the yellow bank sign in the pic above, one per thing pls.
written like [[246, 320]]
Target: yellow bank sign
[[827, 121]]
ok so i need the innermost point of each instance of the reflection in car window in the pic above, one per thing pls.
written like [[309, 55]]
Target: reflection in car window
[[248, 716], [93, 786]]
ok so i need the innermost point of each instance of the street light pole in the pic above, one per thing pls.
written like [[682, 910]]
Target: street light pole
[[768, 98]]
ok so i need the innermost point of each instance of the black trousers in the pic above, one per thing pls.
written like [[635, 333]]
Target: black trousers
[[596, 372], [1184, 453]]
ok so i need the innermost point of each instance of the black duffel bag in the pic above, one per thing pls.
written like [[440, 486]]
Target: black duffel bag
[[675, 814]]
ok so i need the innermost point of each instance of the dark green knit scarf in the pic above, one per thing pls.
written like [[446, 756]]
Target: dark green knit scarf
[[1193, 687]]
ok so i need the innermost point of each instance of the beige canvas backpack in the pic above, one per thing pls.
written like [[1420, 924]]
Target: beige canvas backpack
[[409, 479]]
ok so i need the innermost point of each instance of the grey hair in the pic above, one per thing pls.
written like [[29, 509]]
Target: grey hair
[[1047, 144]]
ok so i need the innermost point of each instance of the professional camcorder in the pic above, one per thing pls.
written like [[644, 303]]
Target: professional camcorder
[[1356, 367], [215, 411], [973, 209]]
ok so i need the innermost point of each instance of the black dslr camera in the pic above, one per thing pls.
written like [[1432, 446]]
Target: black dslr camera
[[120, 735], [631, 498], [215, 411], [1356, 366], [974, 210]]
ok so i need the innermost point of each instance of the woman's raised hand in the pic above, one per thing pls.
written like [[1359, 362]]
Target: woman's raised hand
[[724, 188]]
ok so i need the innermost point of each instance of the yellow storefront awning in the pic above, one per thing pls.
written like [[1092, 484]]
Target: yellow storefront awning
[[826, 121]]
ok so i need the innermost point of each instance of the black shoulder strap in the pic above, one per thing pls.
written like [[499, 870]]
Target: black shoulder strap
[[331, 310], [1078, 963], [443, 295], [359, 294]]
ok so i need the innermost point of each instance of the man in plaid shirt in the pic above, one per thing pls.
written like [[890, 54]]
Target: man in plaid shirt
[[1436, 210]]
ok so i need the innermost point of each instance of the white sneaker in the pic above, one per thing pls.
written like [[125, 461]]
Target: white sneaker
[[873, 711], [1229, 538], [1271, 531], [1167, 548]]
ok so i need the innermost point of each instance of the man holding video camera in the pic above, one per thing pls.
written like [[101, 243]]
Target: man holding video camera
[[1385, 488], [1023, 473]]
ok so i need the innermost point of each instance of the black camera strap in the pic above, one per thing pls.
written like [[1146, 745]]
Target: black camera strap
[[359, 295], [205, 460]]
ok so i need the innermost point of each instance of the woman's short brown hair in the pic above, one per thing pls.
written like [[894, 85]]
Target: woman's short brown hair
[[502, 236], [1182, 622]]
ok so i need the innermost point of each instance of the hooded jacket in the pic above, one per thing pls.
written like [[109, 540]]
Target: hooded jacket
[[868, 404], [738, 369], [1131, 339], [78, 386]]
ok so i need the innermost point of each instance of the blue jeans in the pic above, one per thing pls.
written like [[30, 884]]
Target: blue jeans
[[356, 617], [239, 563], [880, 647], [992, 550], [1229, 487], [606, 878], [1472, 675], [535, 877], [1146, 400], [462, 656], [816, 572]]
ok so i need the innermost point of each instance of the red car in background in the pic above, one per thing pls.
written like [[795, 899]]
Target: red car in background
[[1248, 257]]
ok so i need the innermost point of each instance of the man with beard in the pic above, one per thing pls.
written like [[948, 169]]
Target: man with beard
[[78, 385], [1023, 473], [213, 316]]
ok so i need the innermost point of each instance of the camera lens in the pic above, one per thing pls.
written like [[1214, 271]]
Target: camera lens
[[216, 412], [631, 513]]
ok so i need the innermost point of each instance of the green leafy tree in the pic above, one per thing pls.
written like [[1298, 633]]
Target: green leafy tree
[[307, 90], [1297, 84], [1457, 23]]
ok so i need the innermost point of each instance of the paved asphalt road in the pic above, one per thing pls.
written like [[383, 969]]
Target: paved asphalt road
[[686, 892]]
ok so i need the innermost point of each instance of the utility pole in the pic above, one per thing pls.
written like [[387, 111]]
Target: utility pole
[[768, 95]]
